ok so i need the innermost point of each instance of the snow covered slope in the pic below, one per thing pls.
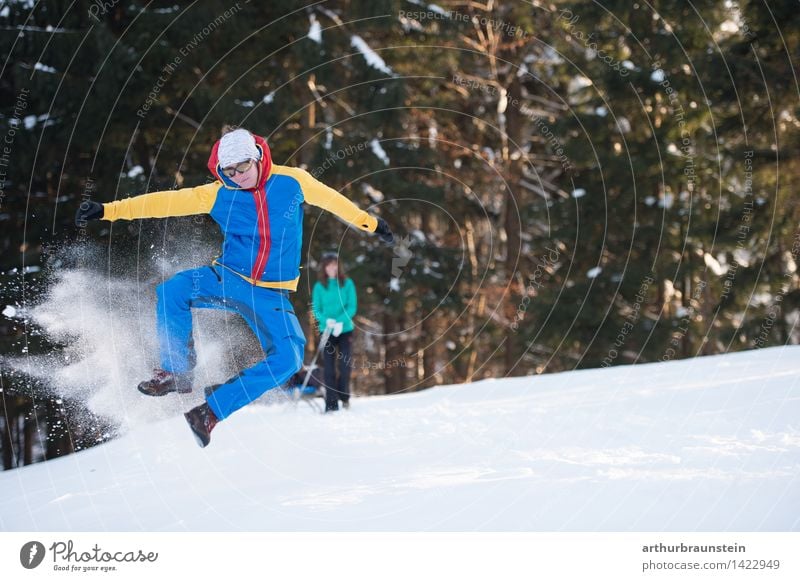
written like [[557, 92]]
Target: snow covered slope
[[709, 444]]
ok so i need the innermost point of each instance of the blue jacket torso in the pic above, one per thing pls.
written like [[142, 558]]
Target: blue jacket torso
[[252, 227]]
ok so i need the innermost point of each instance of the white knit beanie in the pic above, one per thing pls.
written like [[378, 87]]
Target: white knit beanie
[[236, 147]]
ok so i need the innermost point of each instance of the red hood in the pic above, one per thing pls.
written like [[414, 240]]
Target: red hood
[[265, 163]]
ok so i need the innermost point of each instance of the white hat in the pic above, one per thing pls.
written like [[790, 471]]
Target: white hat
[[236, 147]]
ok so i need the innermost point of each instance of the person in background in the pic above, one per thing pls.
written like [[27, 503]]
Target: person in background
[[334, 304]]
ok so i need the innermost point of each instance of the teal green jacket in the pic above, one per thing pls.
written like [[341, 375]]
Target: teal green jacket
[[335, 301]]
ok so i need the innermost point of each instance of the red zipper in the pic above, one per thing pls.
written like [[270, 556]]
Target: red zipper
[[263, 232]]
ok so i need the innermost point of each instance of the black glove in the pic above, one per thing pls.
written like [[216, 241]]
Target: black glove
[[384, 233], [88, 211]]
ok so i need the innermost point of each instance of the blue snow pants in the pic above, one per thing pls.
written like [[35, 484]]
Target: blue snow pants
[[268, 312]]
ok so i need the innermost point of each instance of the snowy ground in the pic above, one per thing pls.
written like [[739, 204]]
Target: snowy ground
[[709, 444]]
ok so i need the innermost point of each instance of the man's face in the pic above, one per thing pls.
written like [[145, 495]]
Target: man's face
[[246, 180]]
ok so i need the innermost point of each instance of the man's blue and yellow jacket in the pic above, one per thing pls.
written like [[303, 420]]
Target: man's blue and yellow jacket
[[263, 226]]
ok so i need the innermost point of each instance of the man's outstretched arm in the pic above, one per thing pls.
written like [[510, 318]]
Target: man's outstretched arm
[[170, 203], [318, 194]]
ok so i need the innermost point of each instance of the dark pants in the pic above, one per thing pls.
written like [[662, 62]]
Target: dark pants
[[337, 389]]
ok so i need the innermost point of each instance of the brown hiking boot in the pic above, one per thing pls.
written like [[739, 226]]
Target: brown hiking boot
[[165, 382], [201, 420]]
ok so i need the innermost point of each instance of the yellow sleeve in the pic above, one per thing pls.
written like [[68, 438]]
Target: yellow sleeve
[[318, 194], [183, 202]]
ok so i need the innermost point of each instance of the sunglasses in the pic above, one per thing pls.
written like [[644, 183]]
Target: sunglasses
[[238, 168]]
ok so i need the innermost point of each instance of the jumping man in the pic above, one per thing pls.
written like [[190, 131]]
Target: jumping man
[[259, 208]]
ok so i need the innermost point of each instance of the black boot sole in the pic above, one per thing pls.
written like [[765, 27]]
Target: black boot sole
[[163, 393], [201, 438]]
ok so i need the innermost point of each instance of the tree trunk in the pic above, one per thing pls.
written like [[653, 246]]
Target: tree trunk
[[29, 432], [512, 222], [429, 351], [394, 352], [9, 416]]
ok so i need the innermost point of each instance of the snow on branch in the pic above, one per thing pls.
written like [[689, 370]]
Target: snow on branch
[[370, 55]]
